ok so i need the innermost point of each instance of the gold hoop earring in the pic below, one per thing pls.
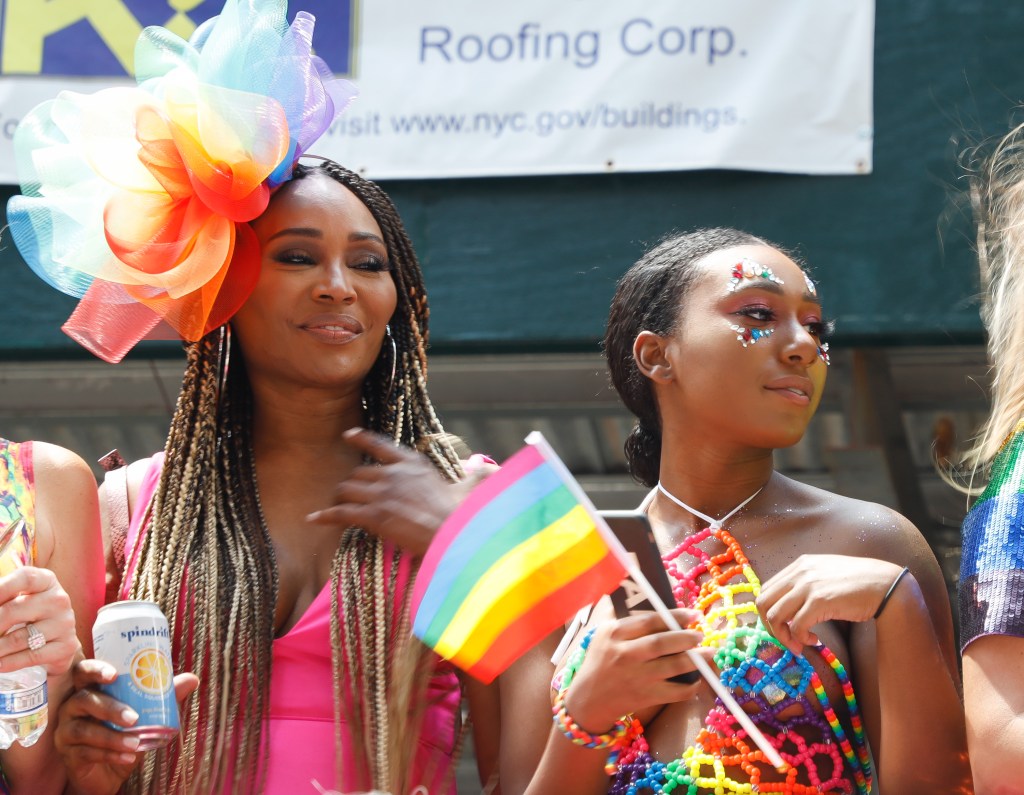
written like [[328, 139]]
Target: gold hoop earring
[[394, 362], [223, 360]]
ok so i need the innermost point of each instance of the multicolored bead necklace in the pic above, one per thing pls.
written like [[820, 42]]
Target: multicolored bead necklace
[[765, 677]]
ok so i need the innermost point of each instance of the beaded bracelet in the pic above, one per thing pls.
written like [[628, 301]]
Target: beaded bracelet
[[888, 593], [617, 738]]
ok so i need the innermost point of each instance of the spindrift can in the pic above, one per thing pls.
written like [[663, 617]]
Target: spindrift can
[[134, 638]]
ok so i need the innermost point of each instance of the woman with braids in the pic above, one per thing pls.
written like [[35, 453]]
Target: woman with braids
[[992, 561], [286, 617], [305, 470], [826, 617]]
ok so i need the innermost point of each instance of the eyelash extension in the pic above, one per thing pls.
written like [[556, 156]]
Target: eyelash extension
[[374, 264], [293, 258], [822, 329], [760, 313]]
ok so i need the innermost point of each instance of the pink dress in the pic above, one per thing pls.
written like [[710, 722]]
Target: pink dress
[[301, 715]]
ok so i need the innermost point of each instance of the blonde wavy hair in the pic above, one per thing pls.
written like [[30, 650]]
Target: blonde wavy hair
[[997, 198]]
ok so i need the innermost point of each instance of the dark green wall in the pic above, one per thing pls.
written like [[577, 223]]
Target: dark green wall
[[530, 263]]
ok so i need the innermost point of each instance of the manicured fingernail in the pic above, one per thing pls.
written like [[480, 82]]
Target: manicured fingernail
[[312, 517], [130, 742], [129, 716], [127, 759]]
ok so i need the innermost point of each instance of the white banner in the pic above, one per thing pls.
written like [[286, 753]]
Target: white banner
[[452, 88]]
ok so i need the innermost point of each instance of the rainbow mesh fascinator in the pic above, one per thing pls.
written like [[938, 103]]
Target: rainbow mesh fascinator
[[136, 199]]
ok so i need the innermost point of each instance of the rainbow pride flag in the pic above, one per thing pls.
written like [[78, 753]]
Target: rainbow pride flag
[[518, 558]]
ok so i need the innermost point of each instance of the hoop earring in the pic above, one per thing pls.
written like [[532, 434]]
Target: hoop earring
[[223, 360], [394, 362]]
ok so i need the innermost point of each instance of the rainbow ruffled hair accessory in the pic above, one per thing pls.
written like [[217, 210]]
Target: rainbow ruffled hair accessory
[[135, 200]]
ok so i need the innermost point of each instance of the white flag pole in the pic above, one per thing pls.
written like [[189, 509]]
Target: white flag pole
[[536, 439]]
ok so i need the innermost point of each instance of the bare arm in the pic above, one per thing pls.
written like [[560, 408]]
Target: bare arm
[[904, 663], [68, 544], [922, 732], [994, 697], [526, 719], [922, 739], [67, 521], [625, 671], [527, 731], [485, 715]]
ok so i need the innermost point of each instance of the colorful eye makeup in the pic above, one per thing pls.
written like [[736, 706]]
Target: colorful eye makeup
[[750, 269]]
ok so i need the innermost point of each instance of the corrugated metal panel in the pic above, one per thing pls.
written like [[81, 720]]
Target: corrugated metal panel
[[492, 402]]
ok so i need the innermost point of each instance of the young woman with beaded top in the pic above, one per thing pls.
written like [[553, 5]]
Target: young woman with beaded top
[[992, 560], [826, 617], [305, 470]]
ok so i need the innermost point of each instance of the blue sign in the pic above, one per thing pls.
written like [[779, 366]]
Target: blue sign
[[96, 38]]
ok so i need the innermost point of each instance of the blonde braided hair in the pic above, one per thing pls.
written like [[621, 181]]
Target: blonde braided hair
[[207, 560]]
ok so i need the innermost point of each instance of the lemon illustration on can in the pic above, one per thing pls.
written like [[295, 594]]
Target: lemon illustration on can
[[151, 671]]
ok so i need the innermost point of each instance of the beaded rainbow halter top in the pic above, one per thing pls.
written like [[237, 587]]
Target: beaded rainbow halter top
[[771, 683]]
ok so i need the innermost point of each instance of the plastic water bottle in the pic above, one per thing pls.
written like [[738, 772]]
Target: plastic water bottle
[[23, 706]]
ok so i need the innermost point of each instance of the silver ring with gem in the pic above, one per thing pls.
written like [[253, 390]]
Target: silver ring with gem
[[36, 639]]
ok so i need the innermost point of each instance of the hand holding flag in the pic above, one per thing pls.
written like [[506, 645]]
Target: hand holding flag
[[517, 559], [511, 564]]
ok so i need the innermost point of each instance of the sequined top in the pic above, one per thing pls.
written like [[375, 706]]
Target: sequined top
[[992, 560]]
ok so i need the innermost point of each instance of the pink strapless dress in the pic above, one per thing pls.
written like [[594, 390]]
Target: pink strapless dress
[[301, 715]]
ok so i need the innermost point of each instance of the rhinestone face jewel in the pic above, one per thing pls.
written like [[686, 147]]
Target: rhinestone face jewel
[[751, 269], [749, 336]]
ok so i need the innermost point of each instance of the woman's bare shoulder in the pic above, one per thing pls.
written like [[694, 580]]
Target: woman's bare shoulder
[[66, 506], [848, 526], [59, 467], [868, 529]]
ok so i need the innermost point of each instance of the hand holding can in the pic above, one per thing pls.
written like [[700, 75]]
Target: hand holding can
[[133, 636]]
